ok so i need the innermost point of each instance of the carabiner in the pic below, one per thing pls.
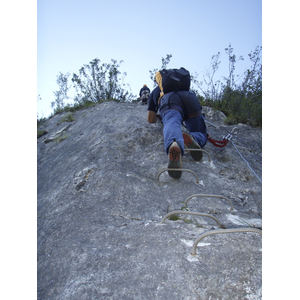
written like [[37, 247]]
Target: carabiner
[[233, 130], [227, 137]]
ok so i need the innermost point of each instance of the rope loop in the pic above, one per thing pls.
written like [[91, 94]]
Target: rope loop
[[219, 144]]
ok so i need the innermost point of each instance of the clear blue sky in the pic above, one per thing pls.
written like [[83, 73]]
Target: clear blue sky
[[71, 34]]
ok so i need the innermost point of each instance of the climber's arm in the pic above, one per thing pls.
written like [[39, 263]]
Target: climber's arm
[[151, 116]]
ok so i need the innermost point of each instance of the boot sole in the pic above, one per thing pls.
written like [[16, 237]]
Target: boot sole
[[174, 162], [196, 155]]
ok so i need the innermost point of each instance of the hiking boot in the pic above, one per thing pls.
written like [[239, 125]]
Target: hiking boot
[[190, 143], [174, 160]]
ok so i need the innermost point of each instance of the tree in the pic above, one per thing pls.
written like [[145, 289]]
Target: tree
[[62, 94], [97, 82], [211, 90], [252, 83], [244, 102], [240, 102], [231, 66]]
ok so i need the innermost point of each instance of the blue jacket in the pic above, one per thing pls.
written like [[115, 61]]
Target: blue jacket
[[153, 99]]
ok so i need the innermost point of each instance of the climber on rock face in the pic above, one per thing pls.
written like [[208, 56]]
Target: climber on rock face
[[144, 94], [176, 107]]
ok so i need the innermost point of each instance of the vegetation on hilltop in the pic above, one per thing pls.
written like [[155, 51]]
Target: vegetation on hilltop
[[239, 97]]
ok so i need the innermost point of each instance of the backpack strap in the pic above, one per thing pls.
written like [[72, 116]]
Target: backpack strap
[[158, 79]]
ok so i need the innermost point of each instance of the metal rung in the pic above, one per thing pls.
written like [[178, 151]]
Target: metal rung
[[186, 149], [158, 145], [212, 196], [219, 231], [175, 169], [189, 213]]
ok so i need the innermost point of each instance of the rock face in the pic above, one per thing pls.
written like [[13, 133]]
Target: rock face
[[100, 205]]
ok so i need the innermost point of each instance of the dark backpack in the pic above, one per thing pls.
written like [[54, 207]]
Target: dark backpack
[[145, 96], [174, 80]]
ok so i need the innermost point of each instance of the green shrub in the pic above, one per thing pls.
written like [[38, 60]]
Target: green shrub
[[41, 121], [41, 133], [68, 118], [61, 138], [174, 217], [240, 108]]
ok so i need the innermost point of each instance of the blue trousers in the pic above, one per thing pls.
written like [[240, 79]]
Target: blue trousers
[[172, 120]]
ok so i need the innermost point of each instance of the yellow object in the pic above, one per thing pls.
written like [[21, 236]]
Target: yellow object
[[158, 79], [145, 85]]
